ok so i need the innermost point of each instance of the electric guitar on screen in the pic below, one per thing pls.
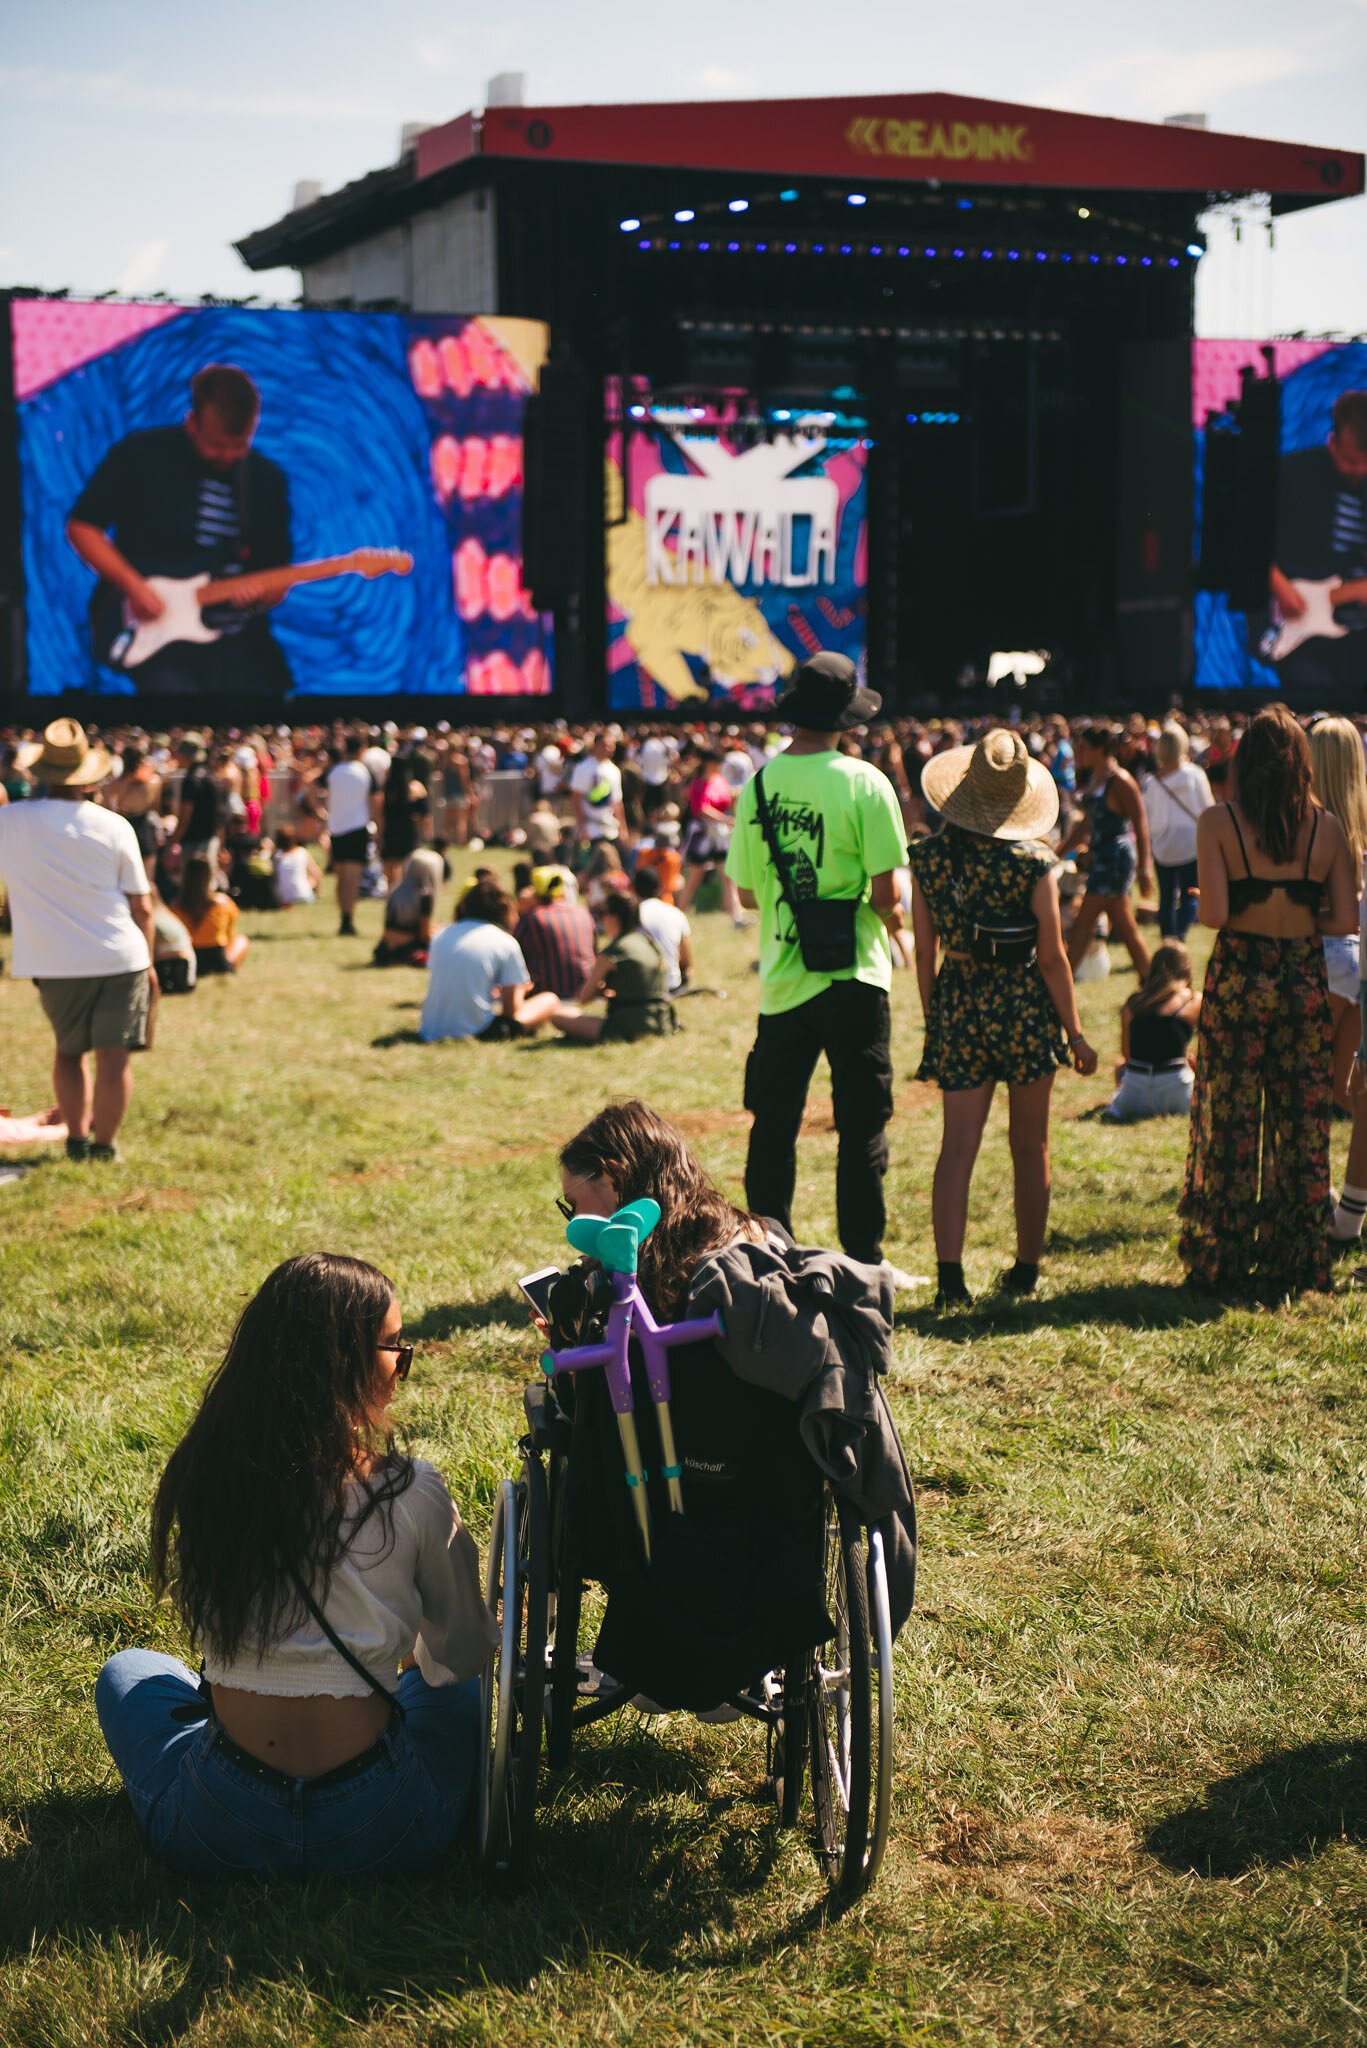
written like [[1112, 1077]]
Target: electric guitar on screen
[[122, 641], [1317, 621]]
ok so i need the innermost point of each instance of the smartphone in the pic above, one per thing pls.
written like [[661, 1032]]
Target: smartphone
[[537, 1288]]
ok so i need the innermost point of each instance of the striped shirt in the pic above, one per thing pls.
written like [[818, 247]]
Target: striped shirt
[[557, 944]]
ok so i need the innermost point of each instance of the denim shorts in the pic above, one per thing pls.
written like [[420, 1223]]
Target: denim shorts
[[207, 1815], [1145, 1095], [1341, 965], [1111, 868]]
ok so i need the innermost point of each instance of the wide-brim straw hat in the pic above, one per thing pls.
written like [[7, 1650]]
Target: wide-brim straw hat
[[65, 759], [994, 788]]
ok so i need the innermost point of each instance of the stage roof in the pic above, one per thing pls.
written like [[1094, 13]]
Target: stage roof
[[878, 138]]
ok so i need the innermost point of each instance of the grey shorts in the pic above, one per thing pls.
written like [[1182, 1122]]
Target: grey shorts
[[96, 1012]]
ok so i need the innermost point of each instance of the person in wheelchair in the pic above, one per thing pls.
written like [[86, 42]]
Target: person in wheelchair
[[782, 1405], [311, 1562]]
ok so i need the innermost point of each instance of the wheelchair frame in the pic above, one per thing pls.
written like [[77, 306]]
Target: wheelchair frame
[[828, 1724]]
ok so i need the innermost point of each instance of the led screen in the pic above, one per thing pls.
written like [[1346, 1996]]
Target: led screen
[[390, 443], [1304, 644], [741, 547]]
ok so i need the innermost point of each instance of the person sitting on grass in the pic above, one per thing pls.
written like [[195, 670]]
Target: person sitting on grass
[[630, 973], [407, 935], [478, 983], [1156, 1025], [311, 1563], [173, 952], [556, 936], [666, 924], [297, 874], [210, 917]]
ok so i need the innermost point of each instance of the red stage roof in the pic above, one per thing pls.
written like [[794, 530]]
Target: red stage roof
[[905, 137]]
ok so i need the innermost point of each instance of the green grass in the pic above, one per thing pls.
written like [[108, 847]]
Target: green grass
[[1131, 1799]]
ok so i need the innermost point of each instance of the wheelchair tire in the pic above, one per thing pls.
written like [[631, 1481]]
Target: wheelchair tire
[[514, 1687], [569, 1604], [846, 1710], [790, 1740]]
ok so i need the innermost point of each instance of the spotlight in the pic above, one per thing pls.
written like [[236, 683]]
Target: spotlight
[[738, 206], [1173, 263], [760, 248], [857, 199], [1122, 259], [676, 245], [1195, 249], [791, 248], [1093, 258], [1065, 256], [733, 246], [845, 249], [1084, 213], [911, 419], [1041, 256], [986, 255], [788, 195], [1012, 255], [704, 245], [957, 252], [877, 249], [964, 205], [1146, 261], [684, 213], [818, 248], [780, 414], [904, 252], [644, 242], [628, 227], [931, 252], [638, 412]]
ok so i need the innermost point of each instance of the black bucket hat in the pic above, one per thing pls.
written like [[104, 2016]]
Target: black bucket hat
[[824, 696]]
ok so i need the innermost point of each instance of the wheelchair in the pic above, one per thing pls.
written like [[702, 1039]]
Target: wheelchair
[[565, 1527]]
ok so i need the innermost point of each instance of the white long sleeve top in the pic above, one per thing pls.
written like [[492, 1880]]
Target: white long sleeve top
[[406, 1584]]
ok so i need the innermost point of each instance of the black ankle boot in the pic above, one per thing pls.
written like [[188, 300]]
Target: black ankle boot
[[952, 1291], [1020, 1279]]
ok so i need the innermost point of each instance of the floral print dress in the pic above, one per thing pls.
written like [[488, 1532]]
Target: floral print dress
[[1255, 1202], [987, 1021]]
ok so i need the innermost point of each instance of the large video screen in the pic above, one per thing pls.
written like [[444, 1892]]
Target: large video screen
[[380, 496], [1308, 644], [737, 546]]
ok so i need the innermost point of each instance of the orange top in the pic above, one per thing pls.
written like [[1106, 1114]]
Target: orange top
[[668, 862], [217, 925]]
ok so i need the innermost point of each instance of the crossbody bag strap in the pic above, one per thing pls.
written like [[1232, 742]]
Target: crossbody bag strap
[[347, 1656], [776, 853]]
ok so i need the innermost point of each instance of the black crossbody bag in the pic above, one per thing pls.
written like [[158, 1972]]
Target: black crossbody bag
[[825, 924]]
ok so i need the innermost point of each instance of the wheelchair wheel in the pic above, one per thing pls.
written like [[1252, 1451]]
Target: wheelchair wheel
[[851, 1703], [790, 1744], [514, 1688], [569, 1603]]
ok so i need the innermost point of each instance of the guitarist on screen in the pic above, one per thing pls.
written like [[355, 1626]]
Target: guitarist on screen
[[1319, 579], [188, 501]]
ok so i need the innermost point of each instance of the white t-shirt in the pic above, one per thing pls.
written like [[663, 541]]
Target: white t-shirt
[[653, 761], [550, 770], [292, 883], [667, 925], [1174, 803], [376, 760], [737, 766], [600, 785], [467, 962], [69, 868], [406, 1584], [349, 792]]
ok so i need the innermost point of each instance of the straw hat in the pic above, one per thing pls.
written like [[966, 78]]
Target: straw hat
[[993, 788], [66, 759]]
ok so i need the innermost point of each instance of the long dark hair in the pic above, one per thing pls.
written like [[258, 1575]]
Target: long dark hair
[[1169, 968], [1272, 780], [255, 1490], [196, 888], [630, 1145]]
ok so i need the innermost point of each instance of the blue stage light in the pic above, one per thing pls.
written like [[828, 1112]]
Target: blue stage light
[[704, 245], [953, 418], [737, 205], [638, 412], [733, 246], [788, 195], [904, 252], [790, 248], [1122, 259], [818, 248], [779, 414], [760, 248], [644, 242], [1065, 257], [1195, 249], [684, 213], [1094, 258], [986, 255], [964, 205], [845, 249], [1146, 261], [856, 199], [629, 227], [1041, 256], [957, 252], [877, 249], [931, 252], [912, 419], [1012, 255], [676, 245], [1173, 263]]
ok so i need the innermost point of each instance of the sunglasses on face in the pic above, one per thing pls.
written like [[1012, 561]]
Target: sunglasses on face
[[567, 1209], [403, 1357]]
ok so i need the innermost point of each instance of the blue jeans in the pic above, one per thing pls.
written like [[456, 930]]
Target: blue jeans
[[206, 1815], [1176, 902]]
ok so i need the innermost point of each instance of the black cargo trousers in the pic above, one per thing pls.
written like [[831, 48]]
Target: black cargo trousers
[[850, 1022]]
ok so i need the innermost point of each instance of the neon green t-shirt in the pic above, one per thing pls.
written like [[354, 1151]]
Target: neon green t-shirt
[[838, 822]]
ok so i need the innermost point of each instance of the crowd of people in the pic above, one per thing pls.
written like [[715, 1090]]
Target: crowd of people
[[1117, 831]]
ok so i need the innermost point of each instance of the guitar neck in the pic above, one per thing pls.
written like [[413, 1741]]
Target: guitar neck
[[275, 582]]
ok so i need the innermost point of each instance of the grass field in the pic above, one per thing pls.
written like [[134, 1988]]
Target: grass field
[[1131, 1800]]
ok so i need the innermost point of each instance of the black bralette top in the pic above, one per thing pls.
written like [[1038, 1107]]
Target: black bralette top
[[1247, 889]]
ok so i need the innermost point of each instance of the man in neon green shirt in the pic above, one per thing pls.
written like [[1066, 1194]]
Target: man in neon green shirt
[[839, 828]]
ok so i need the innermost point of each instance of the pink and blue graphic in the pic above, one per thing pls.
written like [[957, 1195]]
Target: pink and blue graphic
[[1312, 375], [394, 431], [734, 557]]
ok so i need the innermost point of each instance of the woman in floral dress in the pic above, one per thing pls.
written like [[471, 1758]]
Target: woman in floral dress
[[996, 1008], [1275, 880]]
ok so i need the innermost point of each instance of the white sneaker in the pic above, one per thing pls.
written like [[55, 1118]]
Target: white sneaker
[[901, 1281]]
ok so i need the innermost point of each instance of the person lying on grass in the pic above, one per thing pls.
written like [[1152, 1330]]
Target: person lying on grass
[[311, 1563]]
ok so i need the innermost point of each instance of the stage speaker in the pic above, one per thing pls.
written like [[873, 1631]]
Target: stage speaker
[[555, 487]]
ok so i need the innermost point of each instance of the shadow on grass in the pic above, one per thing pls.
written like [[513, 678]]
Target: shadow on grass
[[1293, 1803], [1138, 1305], [448, 1319], [639, 1854]]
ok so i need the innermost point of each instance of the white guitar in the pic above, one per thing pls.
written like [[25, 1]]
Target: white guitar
[[1317, 621], [123, 641]]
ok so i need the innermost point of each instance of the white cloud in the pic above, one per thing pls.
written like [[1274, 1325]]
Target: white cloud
[[716, 78], [1149, 82], [140, 272], [124, 91], [432, 55]]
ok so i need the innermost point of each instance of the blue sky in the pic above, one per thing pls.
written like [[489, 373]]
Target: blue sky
[[136, 141]]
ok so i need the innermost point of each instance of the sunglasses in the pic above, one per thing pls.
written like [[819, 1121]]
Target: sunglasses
[[567, 1209], [403, 1358]]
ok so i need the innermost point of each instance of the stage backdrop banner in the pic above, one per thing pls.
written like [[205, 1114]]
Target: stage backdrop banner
[[733, 558], [394, 432], [1321, 656]]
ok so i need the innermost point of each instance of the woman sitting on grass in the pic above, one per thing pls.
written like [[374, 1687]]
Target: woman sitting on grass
[[310, 1563], [210, 917], [630, 971], [1156, 1024]]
